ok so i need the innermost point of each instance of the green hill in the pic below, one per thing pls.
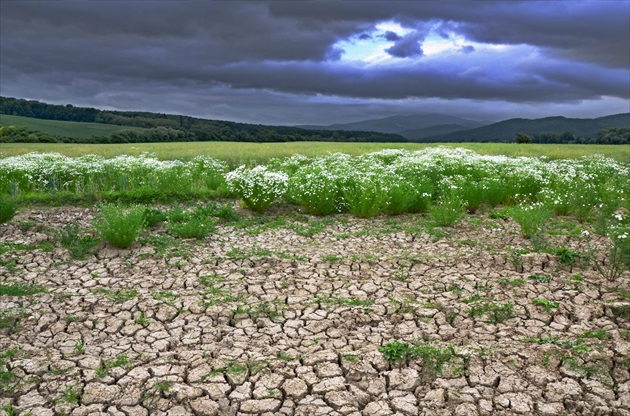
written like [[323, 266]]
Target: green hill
[[158, 127], [72, 129], [505, 131]]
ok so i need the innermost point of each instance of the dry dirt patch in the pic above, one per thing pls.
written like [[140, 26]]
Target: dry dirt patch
[[275, 322]]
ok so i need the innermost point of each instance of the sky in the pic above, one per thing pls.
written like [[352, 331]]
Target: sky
[[321, 61]]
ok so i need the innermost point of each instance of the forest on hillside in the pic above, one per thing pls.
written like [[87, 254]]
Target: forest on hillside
[[165, 127], [156, 127]]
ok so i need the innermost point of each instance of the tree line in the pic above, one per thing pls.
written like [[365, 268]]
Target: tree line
[[167, 127], [612, 135]]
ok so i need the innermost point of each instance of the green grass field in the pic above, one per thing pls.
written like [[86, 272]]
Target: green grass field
[[64, 128], [254, 152]]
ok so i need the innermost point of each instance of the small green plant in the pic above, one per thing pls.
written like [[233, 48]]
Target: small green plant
[[566, 256], [265, 309], [10, 319], [142, 319], [9, 410], [576, 281], [78, 245], [539, 278], [7, 210], [20, 289], [531, 218], [601, 334], [396, 352], [79, 346], [153, 216], [195, 227], [335, 299], [120, 225], [71, 393], [621, 311], [331, 258], [618, 259], [6, 373], [448, 211], [160, 388], [350, 357], [121, 360], [493, 312], [433, 358], [546, 305], [286, 357], [401, 275], [518, 282]]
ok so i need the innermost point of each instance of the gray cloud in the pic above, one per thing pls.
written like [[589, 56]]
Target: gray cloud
[[392, 36], [267, 61], [407, 46]]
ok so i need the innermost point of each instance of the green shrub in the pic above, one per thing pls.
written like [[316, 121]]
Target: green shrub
[[152, 216], [317, 190], [258, 187], [120, 225], [194, 227], [408, 196], [448, 211], [7, 210], [365, 194], [78, 245], [472, 193], [531, 218]]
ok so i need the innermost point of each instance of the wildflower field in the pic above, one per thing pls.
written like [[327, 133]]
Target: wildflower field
[[411, 282]]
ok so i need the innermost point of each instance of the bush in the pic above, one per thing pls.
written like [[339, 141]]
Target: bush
[[317, 190], [258, 187], [194, 227], [7, 210], [448, 211], [408, 196], [120, 225], [365, 194], [531, 218]]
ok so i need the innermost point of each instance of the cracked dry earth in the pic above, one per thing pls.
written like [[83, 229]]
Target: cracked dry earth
[[276, 323]]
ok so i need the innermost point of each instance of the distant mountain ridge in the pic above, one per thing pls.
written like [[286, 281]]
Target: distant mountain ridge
[[445, 128], [505, 131], [407, 125]]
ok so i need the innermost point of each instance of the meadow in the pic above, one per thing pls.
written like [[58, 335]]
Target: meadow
[[63, 128], [237, 153]]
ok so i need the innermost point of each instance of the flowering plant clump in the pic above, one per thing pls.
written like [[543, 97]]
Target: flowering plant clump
[[531, 218], [366, 193], [258, 187], [53, 172], [448, 211], [390, 181]]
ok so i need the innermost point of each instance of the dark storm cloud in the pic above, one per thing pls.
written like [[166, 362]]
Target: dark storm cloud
[[392, 36], [407, 46], [253, 56]]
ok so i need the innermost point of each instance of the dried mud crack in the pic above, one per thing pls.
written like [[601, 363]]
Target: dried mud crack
[[277, 323]]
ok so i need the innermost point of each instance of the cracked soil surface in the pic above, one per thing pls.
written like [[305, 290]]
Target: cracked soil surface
[[272, 322]]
